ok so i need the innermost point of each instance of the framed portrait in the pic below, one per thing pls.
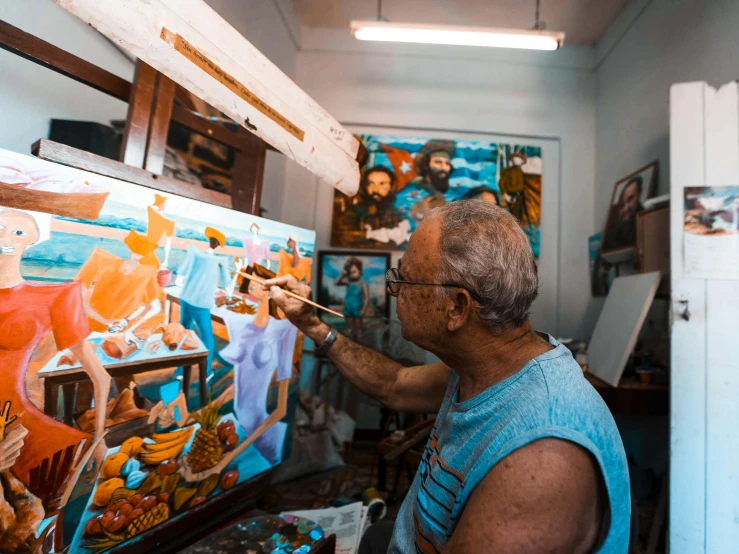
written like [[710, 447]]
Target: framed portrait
[[629, 195], [405, 177], [353, 284]]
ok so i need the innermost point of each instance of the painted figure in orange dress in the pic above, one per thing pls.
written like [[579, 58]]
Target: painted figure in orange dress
[[119, 291], [28, 311], [161, 229]]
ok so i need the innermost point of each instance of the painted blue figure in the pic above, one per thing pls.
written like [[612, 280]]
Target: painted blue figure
[[200, 276], [357, 299]]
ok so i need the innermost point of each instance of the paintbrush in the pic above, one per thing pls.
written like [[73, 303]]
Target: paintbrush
[[261, 281]]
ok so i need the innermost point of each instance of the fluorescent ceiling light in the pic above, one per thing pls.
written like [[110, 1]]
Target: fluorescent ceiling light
[[462, 36]]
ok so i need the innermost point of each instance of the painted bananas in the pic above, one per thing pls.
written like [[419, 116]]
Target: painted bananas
[[166, 446]]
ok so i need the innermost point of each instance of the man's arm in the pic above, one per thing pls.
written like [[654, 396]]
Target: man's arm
[[547, 497], [405, 389]]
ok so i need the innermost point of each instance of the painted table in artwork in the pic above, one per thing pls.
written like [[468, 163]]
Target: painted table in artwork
[[64, 376]]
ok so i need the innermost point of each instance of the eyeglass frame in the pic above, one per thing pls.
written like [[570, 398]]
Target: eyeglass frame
[[393, 271]]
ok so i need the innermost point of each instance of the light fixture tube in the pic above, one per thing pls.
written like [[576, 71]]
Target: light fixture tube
[[457, 35]]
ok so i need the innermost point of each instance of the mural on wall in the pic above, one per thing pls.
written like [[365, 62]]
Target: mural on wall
[[137, 360], [406, 177]]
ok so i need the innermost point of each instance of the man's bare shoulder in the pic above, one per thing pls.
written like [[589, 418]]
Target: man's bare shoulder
[[547, 496]]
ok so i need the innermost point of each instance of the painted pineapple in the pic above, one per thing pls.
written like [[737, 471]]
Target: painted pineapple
[[206, 449]]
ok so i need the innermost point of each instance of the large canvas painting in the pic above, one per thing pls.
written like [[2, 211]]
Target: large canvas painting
[[406, 177], [137, 359]]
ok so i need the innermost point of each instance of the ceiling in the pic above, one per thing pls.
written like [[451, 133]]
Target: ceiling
[[584, 21]]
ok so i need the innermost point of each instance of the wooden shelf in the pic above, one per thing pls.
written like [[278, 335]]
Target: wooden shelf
[[633, 397]]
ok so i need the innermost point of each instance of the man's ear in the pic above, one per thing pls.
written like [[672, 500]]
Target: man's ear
[[459, 309]]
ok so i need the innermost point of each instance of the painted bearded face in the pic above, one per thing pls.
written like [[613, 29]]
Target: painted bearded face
[[440, 167], [18, 230], [378, 185]]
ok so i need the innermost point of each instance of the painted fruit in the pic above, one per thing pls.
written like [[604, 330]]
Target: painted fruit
[[132, 447], [105, 491], [136, 499], [148, 503], [125, 509], [112, 465], [115, 524], [197, 500], [115, 506], [167, 467], [130, 466], [93, 527], [106, 518], [229, 479], [225, 429], [163, 497], [135, 479], [231, 441], [133, 515], [183, 495]]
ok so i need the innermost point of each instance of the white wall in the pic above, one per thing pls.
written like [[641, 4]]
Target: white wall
[[546, 95], [30, 95], [670, 41]]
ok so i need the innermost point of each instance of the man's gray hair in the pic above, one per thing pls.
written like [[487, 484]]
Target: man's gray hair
[[484, 249]]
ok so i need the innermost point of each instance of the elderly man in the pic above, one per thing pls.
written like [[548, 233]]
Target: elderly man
[[525, 456]]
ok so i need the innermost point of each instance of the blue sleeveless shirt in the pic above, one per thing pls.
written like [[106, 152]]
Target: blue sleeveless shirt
[[548, 397]]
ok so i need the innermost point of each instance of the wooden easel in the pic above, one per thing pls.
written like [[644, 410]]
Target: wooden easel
[[151, 109]]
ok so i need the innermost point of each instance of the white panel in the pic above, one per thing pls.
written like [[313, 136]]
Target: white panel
[[620, 321], [722, 383], [688, 384]]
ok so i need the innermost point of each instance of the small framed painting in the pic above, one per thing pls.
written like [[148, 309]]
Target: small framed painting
[[629, 195], [353, 284]]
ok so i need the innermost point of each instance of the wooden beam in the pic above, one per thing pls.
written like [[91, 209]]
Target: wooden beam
[[136, 133], [209, 129], [248, 174], [190, 43], [159, 125], [47, 55], [66, 155], [51, 57]]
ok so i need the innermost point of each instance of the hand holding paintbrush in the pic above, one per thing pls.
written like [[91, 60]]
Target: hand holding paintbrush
[[279, 283]]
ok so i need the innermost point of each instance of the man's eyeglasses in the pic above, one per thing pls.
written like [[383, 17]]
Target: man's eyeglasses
[[394, 279]]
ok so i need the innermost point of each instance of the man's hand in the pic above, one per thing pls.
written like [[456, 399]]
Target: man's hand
[[300, 314]]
